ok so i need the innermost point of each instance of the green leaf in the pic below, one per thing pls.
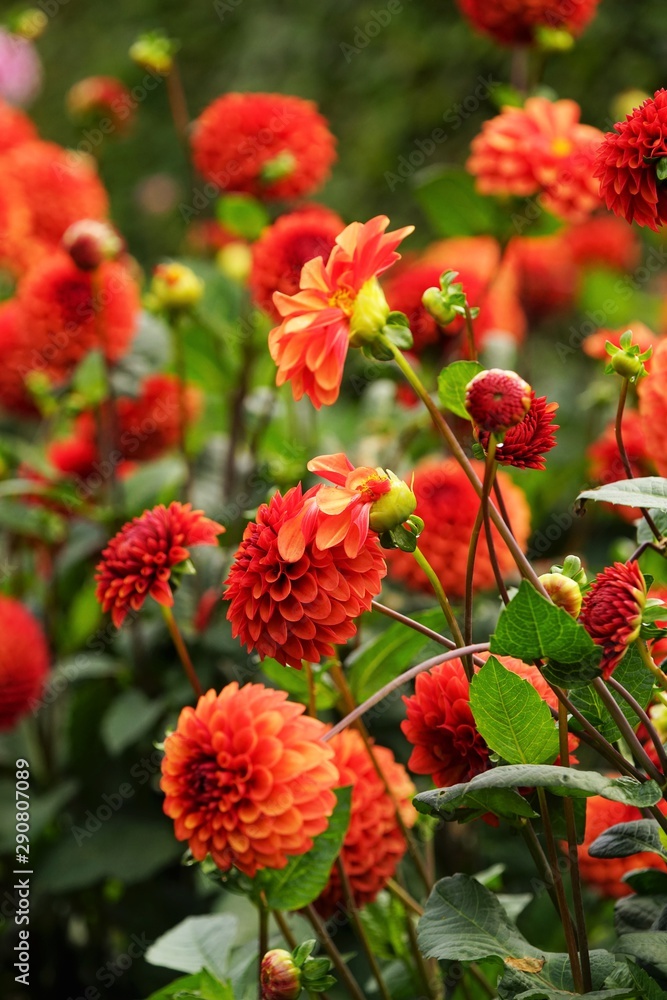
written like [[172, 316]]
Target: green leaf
[[649, 989], [644, 533], [176, 989], [129, 717], [32, 522], [90, 379], [624, 839], [646, 881], [453, 206], [452, 382], [195, 944], [242, 214], [389, 654], [648, 949], [661, 169], [296, 683], [155, 482], [646, 491], [304, 877], [515, 722], [634, 677], [638, 913], [531, 627], [554, 981]]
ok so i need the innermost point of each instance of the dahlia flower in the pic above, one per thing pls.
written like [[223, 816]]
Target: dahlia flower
[[652, 400], [497, 400], [604, 874], [101, 97], [268, 145], [281, 251], [24, 661], [15, 127], [14, 396], [548, 275], [374, 843], [627, 164], [247, 778], [290, 599], [524, 445], [339, 303], [515, 22], [139, 560], [20, 69], [612, 611], [604, 241], [448, 504]]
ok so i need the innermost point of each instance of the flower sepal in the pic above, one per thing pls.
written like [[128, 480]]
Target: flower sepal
[[448, 301], [404, 536], [626, 360]]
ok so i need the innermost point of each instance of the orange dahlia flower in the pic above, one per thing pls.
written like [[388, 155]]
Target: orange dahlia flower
[[515, 22], [247, 778], [612, 610], [69, 313], [627, 160], [267, 145], [15, 127], [24, 661], [604, 874], [605, 464], [338, 301], [281, 251], [448, 505], [289, 598], [652, 401], [374, 843], [139, 560], [548, 274], [541, 148]]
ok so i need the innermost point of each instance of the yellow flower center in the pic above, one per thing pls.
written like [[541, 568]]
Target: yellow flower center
[[561, 146], [343, 299]]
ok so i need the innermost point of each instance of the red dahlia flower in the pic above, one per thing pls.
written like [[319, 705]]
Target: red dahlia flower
[[267, 145], [539, 148], [612, 611], [515, 22], [24, 661], [524, 445], [15, 127], [338, 301], [374, 843], [14, 396], [604, 241], [627, 162], [497, 400], [290, 599], [548, 275], [605, 462], [652, 401], [102, 97], [247, 778], [441, 727], [281, 251], [139, 560]]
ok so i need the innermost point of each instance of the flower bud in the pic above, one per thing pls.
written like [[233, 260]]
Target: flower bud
[[154, 52], [176, 287], [280, 977], [563, 591], [369, 314], [89, 243], [626, 360], [393, 507], [497, 400], [28, 23], [626, 365], [437, 306], [234, 260], [278, 168]]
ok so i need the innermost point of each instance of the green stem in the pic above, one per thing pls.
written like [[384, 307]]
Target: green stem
[[482, 517], [645, 718], [624, 455], [627, 731], [438, 589], [262, 937], [470, 334], [181, 649], [651, 665], [353, 913], [347, 979]]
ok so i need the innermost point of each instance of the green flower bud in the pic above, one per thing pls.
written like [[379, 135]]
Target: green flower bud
[[563, 591], [369, 314], [393, 507]]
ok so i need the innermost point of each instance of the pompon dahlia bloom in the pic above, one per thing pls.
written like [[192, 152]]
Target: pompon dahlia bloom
[[448, 504], [15, 127], [626, 164], [539, 148], [138, 561], [497, 400], [247, 778], [525, 445], [515, 22], [59, 186], [101, 96], [604, 874], [338, 301], [267, 145], [604, 241], [14, 396], [652, 402], [289, 599], [374, 843], [441, 727], [150, 424], [612, 611], [281, 251], [24, 661], [605, 463], [68, 313]]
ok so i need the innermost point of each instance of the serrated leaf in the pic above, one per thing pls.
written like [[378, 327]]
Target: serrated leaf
[[645, 491], [531, 627], [179, 986], [452, 382], [304, 877], [511, 716], [197, 943], [644, 533], [625, 839]]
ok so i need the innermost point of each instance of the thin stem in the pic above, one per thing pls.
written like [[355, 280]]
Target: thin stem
[[353, 913], [181, 649], [177, 103], [645, 718], [566, 919], [470, 334], [541, 863], [347, 979], [405, 898], [438, 589], [594, 739], [397, 682], [179, 364], [482, 518], [420, 961], [649, 662], [502, 506], [262, 937], [573, 855], [479, 976], [627, 731], [418, 627], [624, 455], [237, 416], [285, 929], [312, 693]]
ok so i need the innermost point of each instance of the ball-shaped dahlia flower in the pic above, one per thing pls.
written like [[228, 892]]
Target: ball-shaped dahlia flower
[[14, 396], [604, 874], [18, 247], [541, 148], [652, 403], [139, 560], [289, 599], [374, 843], [448, 505], [525, 445], [267, 145], [15, 127], [627, 160], [247, 778], [24, 661], [605, 463], [69, 313], [612, 611], [515, 22], [497, 400], [283, 248], [149, 424]]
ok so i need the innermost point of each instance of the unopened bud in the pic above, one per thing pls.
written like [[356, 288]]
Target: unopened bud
[[175, 287], [393, 507], [235, 261], [497, 400], [437, 306], [154, 52], [89, 243], [369, 314], [563, 591], [280, 977]]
